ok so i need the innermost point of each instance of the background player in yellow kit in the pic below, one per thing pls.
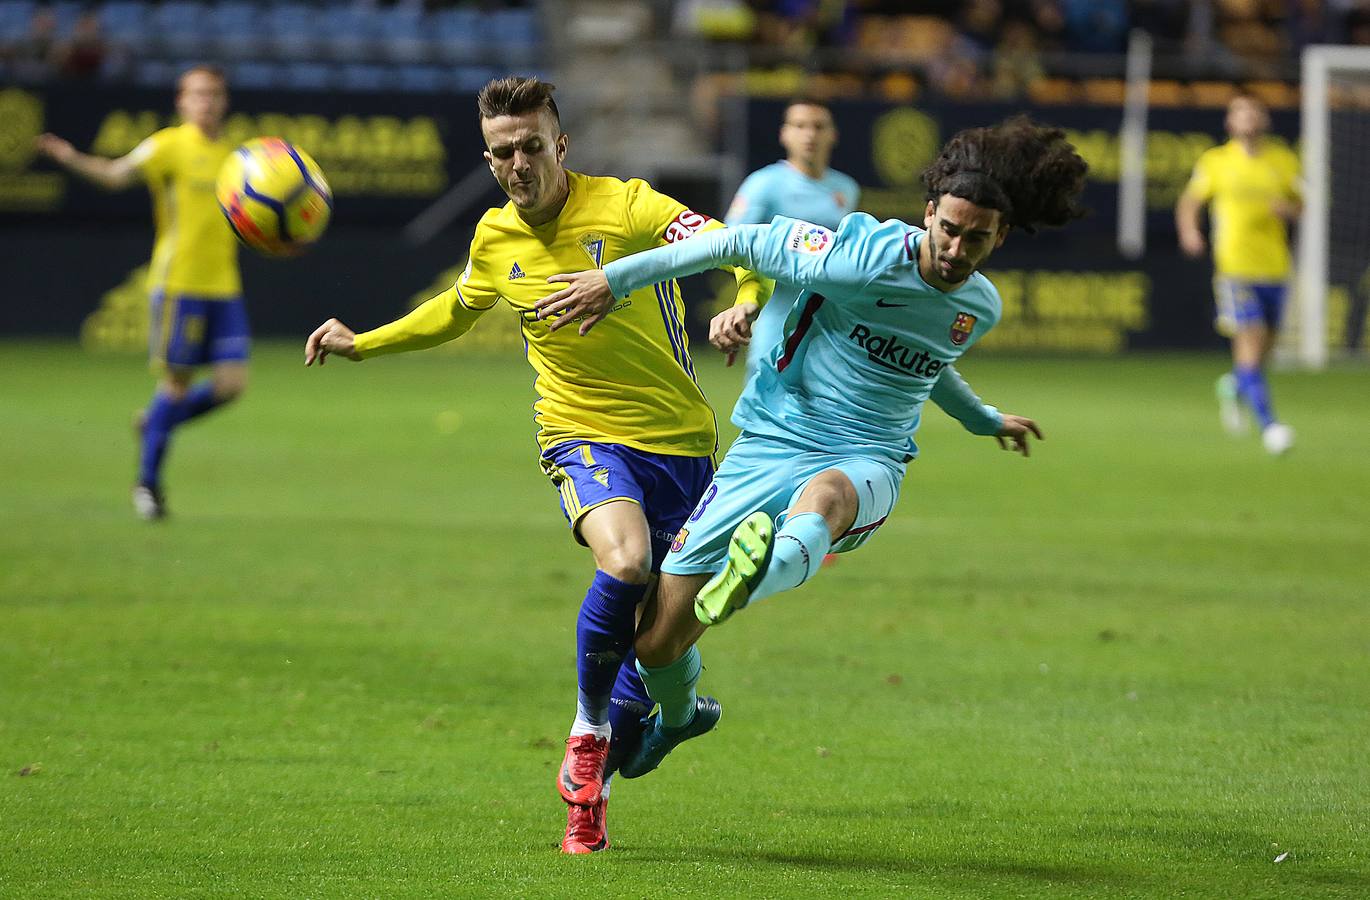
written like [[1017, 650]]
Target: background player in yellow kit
[[1251, 185], [625, 432], [198, 314]]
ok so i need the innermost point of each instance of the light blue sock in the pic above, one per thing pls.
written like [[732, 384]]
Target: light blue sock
[[797, 551], [673, 687]]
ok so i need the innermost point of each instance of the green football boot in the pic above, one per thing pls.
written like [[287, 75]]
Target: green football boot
[[749, 550]]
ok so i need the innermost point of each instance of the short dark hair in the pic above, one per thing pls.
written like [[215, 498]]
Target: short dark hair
[[1029, 172], [808, 100], [207, 68], [516, 95]]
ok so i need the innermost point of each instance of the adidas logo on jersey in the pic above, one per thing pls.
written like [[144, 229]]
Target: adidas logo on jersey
[[515, 272]]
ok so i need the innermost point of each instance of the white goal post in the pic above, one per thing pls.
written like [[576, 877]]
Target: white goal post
[[1322, 66]]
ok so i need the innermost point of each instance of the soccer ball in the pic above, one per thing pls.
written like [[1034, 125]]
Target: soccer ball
[[274, 197]]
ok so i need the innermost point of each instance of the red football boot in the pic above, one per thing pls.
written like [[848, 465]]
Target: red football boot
[[582, 770], [586, 831]]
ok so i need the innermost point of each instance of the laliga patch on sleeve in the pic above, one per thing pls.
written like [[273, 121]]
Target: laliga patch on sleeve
[[806, 237], [465, 273]]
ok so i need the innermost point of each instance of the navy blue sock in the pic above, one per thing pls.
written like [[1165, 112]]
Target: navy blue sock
[[198, 400], [604, 638], [161, 414], [629, 703], [1253, 389]]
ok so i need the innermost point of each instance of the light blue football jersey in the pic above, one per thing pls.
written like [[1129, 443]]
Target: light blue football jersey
[[866, 342], [782, 190]]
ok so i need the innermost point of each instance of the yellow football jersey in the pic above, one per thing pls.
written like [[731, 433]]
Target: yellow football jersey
[[195, 251], [1250, 240], [630, 380]]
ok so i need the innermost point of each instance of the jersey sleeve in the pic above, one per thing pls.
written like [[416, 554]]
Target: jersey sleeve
[[655, 219], [957, 400], [439, 319], [151, 156], [658, 221], [750, 205], [788, 250], [1201, 186]]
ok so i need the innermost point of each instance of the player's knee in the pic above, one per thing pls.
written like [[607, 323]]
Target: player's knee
[[229, 386], [627, 564], [227, 393], [832, 496], [174, 388]]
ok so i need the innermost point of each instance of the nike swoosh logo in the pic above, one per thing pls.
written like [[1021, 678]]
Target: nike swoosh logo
[[883, 304]]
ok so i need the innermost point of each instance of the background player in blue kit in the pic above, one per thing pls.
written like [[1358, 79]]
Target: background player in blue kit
[[800, 186], [879, 313]]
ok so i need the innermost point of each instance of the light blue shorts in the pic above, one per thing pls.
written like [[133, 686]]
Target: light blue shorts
[[767, 474]]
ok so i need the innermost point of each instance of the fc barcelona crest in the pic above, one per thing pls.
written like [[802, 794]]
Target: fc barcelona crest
[[592, 242], [679, 543], [962, 327]]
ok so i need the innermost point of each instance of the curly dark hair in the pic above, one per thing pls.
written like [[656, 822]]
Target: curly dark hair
[[1029, 172]]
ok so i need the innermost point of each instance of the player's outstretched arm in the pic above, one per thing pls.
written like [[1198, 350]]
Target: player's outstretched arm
[[114, 174], [331, 337], [591, 293], [1013, 434]]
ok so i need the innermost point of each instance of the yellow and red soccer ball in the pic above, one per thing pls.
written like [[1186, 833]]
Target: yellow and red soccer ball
[[274, 197]]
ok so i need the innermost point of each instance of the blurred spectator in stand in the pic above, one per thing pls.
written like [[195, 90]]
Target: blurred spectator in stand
[[1358, 27], [1047, 18], [955, 73], [81, 54], [979, 26], [804, 24], [1096, 26], [1316, 22], [1167, 21], [31, 57], [715, 20], [1017, 63]]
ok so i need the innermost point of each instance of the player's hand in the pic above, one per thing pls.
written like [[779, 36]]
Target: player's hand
[[731, 330], [331, 337], [1013, 434], [586, 294], [55, 148], [1193, 243]]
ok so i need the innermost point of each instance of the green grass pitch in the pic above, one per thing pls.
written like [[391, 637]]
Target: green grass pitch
[[1134, 665]]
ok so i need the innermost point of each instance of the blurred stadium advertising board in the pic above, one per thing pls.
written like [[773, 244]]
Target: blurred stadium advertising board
[[386, 156], [390, 156]]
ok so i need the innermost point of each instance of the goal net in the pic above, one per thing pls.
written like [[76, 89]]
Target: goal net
[[1330, 304]]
